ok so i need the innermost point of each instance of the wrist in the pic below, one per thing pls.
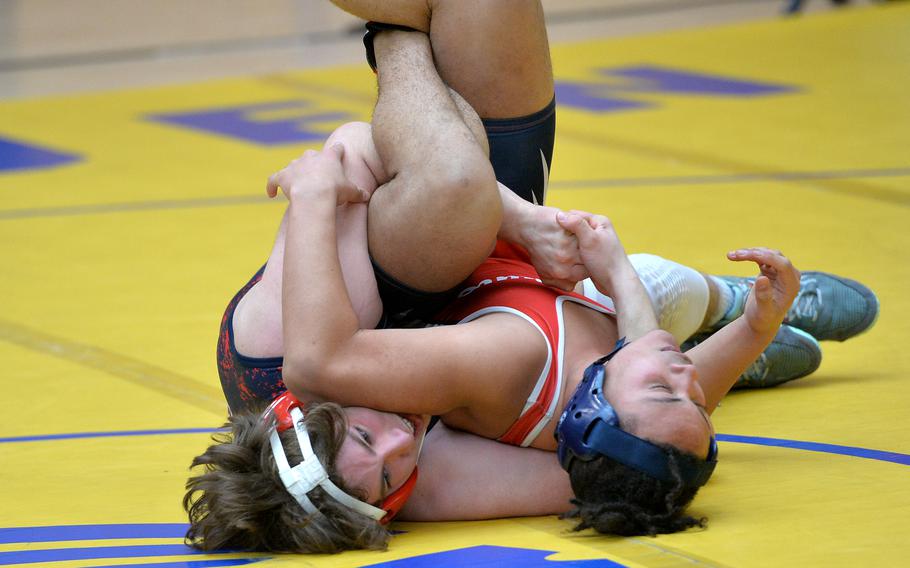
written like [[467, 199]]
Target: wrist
[[312, 191], [618, 275], [760, 330]]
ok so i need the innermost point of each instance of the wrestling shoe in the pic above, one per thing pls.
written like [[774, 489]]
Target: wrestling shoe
[[827, 306], [792, 354]]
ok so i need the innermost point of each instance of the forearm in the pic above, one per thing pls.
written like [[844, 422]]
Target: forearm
[[724, 356], [317, 315], [634, 311]]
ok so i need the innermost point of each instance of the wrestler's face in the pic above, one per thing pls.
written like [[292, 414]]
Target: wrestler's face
[[380, 450], [653, 387]]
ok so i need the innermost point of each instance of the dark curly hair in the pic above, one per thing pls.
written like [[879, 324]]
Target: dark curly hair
[[613, 498], [239, 502]]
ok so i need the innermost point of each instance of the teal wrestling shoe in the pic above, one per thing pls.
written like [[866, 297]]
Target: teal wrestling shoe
[[792, 354], [832, 307], [827, 306]]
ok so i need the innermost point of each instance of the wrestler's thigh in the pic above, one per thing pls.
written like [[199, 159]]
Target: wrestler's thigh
[[495, 54]]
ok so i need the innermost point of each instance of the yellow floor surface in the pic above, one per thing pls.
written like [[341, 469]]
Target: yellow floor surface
[[128, 219]]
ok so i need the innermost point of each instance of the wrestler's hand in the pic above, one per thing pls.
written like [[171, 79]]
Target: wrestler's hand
[[774, 290], [612, 272], [554, 250], [599, 246], [316, 173]]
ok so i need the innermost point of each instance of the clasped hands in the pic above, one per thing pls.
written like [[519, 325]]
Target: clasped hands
[[317, 173]]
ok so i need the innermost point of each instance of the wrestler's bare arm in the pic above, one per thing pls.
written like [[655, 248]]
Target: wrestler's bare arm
[[257, 319], [465, 477], [723, 357]]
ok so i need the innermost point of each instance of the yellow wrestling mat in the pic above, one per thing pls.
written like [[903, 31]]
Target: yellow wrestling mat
[[128, 219]]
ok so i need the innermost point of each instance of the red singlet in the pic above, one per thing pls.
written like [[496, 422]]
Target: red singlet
[[506, 282]]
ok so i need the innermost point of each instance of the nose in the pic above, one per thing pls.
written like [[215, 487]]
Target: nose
[[686, 378], [395, 443], [398, 451]]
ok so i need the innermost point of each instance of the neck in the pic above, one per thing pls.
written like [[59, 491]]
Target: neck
[[588, 335]]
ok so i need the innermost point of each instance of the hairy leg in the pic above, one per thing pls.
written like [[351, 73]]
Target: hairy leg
[[437, 218], [495, 54]]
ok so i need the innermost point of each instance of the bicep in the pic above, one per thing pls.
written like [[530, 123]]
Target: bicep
[[466, 477]]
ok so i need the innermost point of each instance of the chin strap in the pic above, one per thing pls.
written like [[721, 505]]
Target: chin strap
[[309, 473]]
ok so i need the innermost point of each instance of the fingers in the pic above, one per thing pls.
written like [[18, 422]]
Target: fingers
[[772, 262], [763, 289], [594, 220], [272, 185], [565, 285], [353, 195], [565, 278], [315, 168], [575, 224], [337, 151]]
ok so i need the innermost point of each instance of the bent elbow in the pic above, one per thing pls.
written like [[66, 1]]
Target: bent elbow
[[304, 378]]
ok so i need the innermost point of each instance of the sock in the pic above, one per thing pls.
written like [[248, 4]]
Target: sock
[[729, 304]]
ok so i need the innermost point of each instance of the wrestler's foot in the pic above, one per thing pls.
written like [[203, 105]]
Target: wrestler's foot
[[792, 354], [827, 306]]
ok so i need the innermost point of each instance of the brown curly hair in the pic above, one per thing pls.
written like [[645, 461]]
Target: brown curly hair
[[238, 502]]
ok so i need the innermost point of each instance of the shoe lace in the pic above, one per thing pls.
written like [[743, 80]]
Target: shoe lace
[[808, 301], [758, 370]]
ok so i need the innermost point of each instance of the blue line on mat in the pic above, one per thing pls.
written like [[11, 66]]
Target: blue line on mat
[[75, 435], [92, 532], [852, 451], [865, 453]]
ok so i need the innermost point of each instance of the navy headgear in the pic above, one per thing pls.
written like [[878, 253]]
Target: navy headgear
[[589, 427]]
